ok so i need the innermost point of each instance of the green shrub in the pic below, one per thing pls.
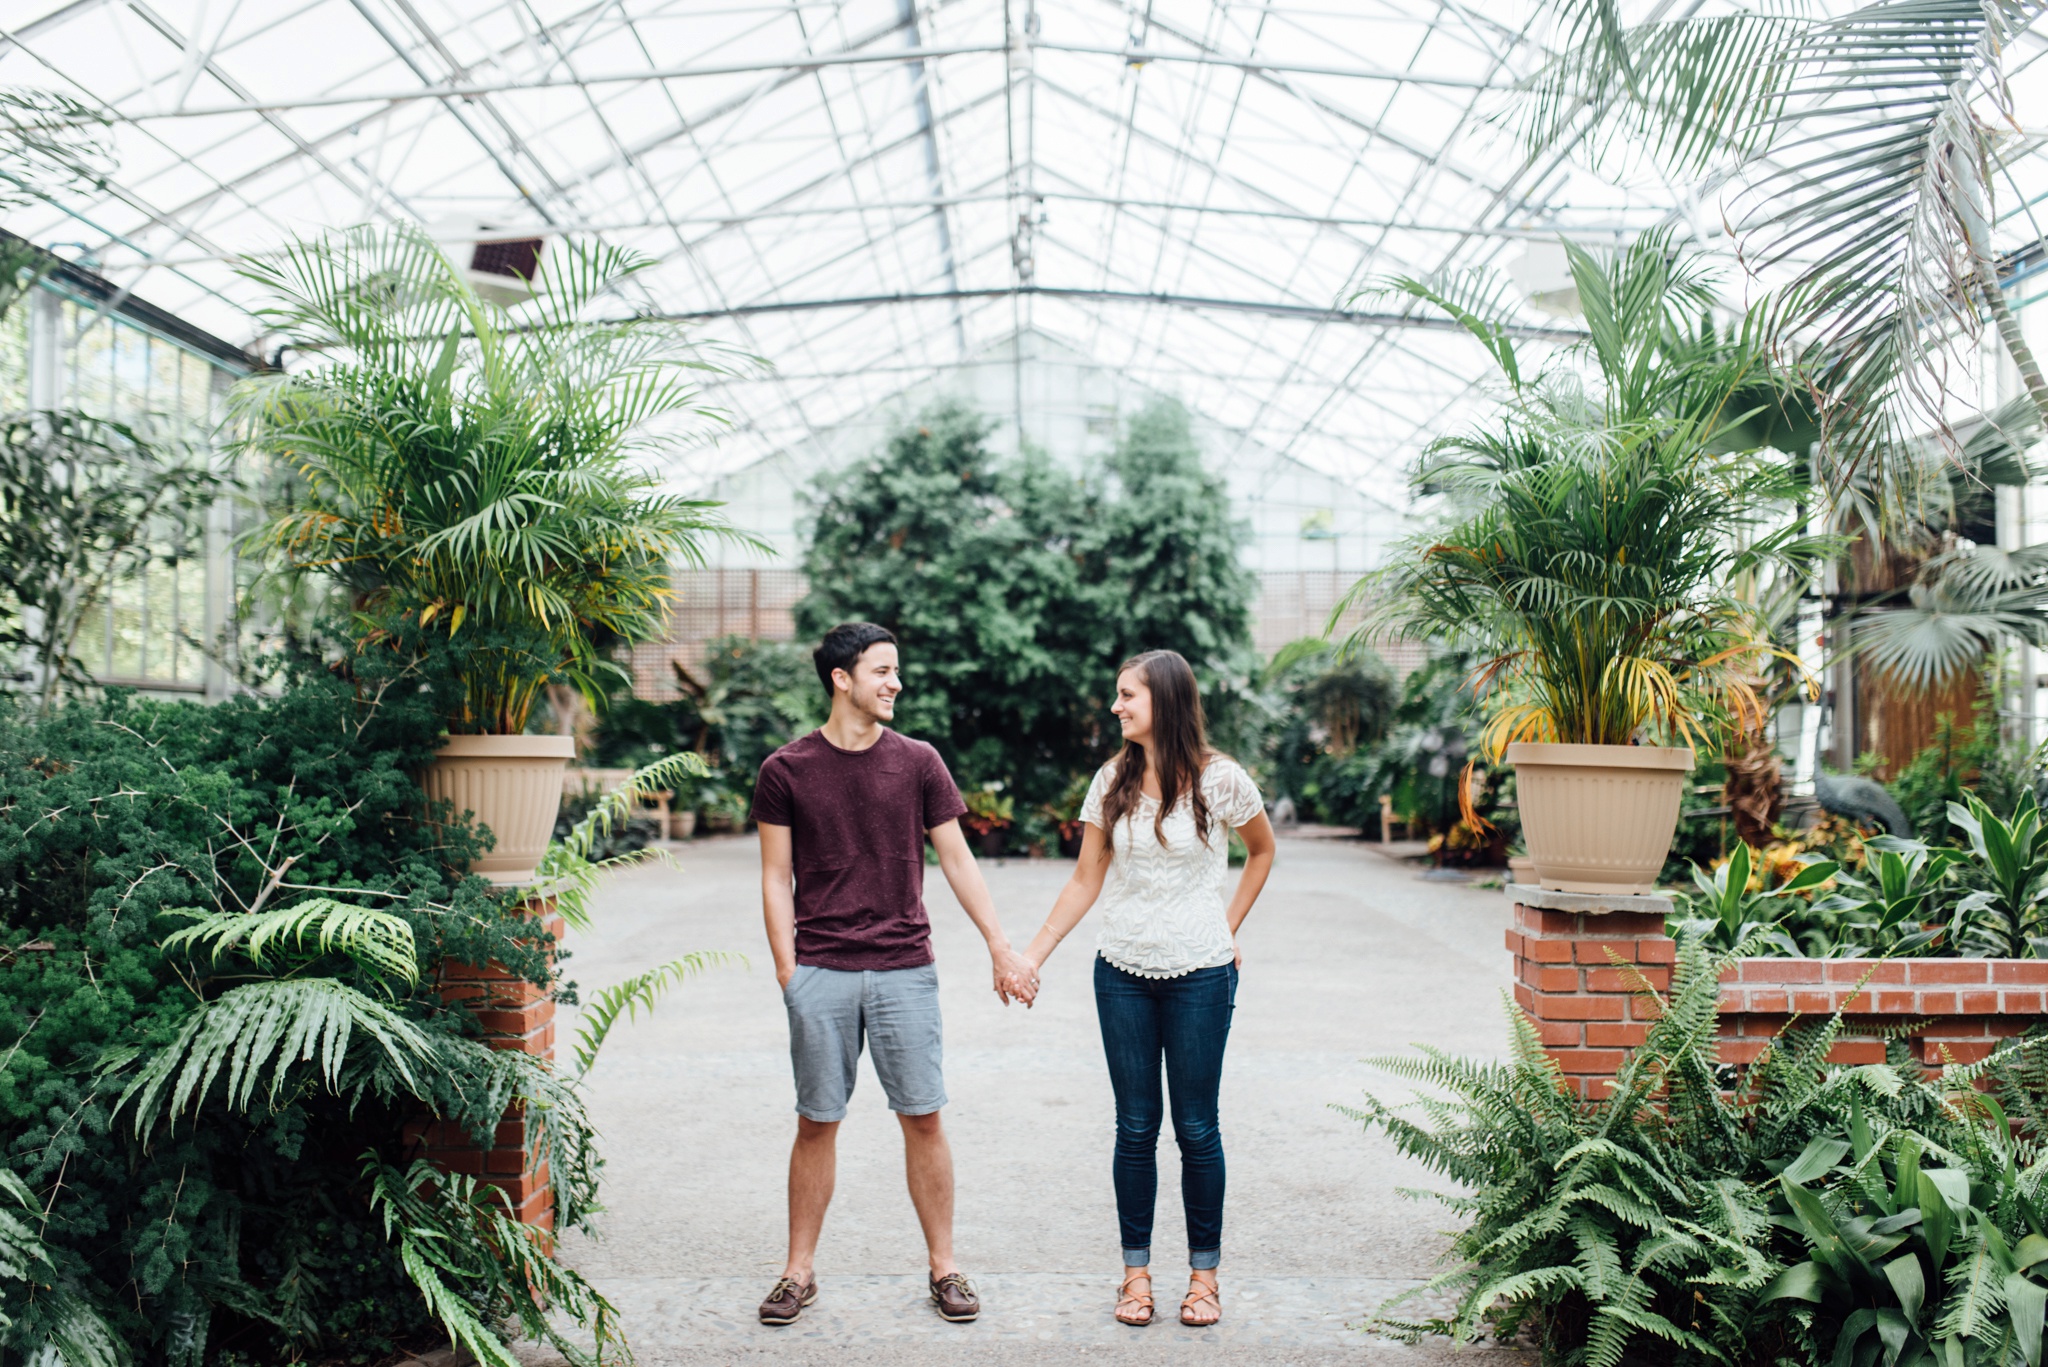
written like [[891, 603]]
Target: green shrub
[[251, 885], [1016, 589], [1771, 1214]]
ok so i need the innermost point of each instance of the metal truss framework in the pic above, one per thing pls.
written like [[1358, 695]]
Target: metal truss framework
[[1199, 193]]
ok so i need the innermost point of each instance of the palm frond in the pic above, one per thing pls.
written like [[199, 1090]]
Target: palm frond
[[268, 1031], [636, 994], [463, 1249], [378, 940]]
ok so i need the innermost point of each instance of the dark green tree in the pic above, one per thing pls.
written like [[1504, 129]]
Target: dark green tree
[[1016, 587], [1162, 552]]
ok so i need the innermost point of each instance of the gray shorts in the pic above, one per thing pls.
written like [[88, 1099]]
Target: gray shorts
[[896, 1011]]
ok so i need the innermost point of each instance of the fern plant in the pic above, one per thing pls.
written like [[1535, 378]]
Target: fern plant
[[1658, 1223]]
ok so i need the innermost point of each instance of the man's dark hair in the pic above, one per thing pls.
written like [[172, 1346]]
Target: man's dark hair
[[844, 644]]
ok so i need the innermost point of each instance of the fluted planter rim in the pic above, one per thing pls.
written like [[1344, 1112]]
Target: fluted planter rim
[[511, 784]]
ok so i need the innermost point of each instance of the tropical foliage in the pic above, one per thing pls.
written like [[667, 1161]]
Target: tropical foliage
[[1610, 568], [218, 1016], [1863, 146], [1790, 1211], [469, 475]]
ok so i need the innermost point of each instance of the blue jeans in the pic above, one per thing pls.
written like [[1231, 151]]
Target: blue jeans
[[1185, 1021]]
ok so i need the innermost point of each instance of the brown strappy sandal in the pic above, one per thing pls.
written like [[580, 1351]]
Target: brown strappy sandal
[[1199, 1291], [1141, 1299]]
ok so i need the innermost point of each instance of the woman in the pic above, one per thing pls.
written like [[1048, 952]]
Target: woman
[[1155, 850]]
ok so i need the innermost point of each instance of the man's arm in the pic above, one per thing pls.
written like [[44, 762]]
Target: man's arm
[[778, 899], [1013, 975]]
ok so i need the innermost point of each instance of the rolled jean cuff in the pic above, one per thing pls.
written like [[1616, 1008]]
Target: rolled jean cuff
[[1137, 1257], [1204, 1259]]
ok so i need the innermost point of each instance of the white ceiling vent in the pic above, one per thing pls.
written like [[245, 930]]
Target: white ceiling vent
[[499, 263]]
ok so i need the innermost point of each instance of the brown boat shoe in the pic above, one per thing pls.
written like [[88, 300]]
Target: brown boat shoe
[[787, 1300], [955, 1298]]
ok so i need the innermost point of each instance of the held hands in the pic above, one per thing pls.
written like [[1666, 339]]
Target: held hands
[[1016, 976]]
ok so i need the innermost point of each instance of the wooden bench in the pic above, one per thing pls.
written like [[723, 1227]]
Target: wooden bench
[[585, 782]]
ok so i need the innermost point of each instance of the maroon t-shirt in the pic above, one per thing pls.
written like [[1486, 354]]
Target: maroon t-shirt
[[856, 822]]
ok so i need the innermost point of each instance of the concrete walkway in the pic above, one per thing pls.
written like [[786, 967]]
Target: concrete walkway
[[1347, 955]]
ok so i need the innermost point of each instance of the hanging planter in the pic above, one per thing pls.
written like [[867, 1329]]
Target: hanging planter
[[1598, 818], [513, 785]]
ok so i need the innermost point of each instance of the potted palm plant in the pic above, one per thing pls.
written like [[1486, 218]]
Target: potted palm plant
[[1604, 554], [471, 477]]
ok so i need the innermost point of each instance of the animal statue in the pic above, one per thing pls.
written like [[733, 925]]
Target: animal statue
[[1862, 800]]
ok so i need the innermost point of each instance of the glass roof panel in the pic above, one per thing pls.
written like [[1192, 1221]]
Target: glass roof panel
[[866, 192]]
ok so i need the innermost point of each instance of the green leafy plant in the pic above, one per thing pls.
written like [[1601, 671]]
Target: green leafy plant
[[2005, 920], [1885, 908], [1734, 915], [1016, 588], [1915, 1263], [1607, 572], [569, 870], [472, 476], [1863, 147]]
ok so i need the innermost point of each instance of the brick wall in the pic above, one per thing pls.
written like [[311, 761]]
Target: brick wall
[[1588, 1010], [514, 1014], [1961, 1008]]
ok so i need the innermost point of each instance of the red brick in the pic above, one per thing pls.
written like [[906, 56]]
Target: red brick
[[1938, 1003], [1855, 971], [1644, 1008], [1743, 1050], [2006, 1027], [1560, 1034], [1774, 1000], [1962, 1027], [1525, 997], [1733, 999], [1781, 970], [1636, 925], [1613, 1034], [2033, 972], [1547, 951], [2016, 1003], [1948, 971], [1898, 1003], [1627, 979], [1856, 1051], [1514, 941], [1937, 1052], [1558, 1007], [470, 1161], [1662, 950], [1544, 922], [1978, 1003], [1547, 979], [1753, 1023], [1731, 972], [1599, 951], [1602, 1061], [1812, 1002]]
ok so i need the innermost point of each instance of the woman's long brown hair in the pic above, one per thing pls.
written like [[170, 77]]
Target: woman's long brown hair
[[1180, 741]]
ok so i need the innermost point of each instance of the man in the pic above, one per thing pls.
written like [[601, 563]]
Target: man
[[843, 815]]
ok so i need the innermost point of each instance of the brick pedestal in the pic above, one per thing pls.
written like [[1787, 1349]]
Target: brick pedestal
[[514, 1014], [1588, 1008]]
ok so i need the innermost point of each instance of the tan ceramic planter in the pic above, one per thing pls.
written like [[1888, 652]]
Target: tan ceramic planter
[[1598, 818], [513, 784]]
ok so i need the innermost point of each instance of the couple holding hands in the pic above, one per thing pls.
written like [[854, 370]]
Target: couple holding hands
[[843, 815]]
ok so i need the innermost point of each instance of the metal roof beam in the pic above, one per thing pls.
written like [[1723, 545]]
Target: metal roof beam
[[462, 90], [1307, 313]]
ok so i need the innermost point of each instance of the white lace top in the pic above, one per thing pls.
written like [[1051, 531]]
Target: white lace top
[[1164, 910]]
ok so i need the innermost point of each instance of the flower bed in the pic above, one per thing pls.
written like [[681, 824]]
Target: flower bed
[[1581, 962]]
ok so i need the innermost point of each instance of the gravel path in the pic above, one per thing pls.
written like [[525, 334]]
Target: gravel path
[[1348, 955]]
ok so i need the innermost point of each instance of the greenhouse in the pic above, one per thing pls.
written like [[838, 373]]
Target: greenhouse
[[573, 575]]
